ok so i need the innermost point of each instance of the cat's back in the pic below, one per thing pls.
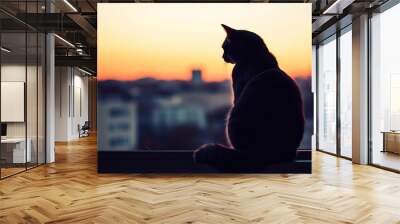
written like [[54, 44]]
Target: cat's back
[[278, 98], [274, 78], [275, 84]]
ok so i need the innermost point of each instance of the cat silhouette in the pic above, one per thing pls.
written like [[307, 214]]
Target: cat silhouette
[[266, 122]]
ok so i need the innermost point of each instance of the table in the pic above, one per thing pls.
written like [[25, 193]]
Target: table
[[13, 150], [391, 141]]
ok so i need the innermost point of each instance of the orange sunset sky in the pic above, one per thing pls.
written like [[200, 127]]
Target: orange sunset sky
[[168, 40]]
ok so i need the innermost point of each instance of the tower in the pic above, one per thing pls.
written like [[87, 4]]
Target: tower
[[197, 77]]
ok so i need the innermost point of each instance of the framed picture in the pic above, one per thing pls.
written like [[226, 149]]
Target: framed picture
[[204, 87]]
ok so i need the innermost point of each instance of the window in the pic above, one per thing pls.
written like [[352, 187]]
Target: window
[[385, 89], [345, 93], [327, 95]]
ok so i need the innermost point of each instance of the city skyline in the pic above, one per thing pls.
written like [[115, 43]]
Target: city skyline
[[188, 77], [170, 51]]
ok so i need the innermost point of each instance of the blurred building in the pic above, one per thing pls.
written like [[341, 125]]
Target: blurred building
[[174, 112], [118, 127], [197, 78]]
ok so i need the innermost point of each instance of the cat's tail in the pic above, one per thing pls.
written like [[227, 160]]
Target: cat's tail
[[223, 158]]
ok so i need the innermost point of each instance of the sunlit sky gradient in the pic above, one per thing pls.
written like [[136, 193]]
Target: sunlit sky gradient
[[168, 40]]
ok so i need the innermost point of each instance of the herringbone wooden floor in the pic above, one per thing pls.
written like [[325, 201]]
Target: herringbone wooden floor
[[71, 191]]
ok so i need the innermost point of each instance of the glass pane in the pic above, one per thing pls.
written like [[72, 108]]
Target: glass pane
[[346, 94], [31, 86], [385, 95], [31, 98], [13, 86], [41, 98], [327, 96]]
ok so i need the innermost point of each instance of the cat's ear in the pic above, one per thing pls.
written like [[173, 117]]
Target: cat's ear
[[228, 30]]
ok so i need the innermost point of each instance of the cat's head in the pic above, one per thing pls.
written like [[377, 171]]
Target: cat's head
[[243, 45]]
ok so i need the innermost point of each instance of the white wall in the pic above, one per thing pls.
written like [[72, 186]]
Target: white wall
[[71, 94], [33, 126], [62, 82], [81, 89], [15, 73]]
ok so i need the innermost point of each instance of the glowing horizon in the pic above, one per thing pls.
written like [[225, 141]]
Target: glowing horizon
[[132, 44]]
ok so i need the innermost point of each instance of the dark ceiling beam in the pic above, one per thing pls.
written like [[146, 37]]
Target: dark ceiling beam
[[338, 6], [321, 23], [10, 25], [49, 22], [81, 61], [83, 23], [15, 18], [195, 1], [331, 28], [91, 5], [54, 22]]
